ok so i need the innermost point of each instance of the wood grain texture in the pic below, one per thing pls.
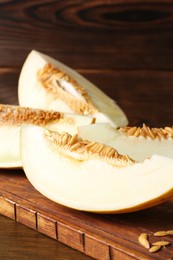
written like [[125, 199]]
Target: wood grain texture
[[47, 226], [126, 49], [89, 34], [7, 208], [20, 242], [99, 236]]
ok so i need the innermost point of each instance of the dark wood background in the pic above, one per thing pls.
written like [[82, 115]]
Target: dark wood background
[[124, 47]]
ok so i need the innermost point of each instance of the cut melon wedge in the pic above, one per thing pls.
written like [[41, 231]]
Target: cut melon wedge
[[48, 84], [9, 146], [138, 143], [11, 119], [91, 176]]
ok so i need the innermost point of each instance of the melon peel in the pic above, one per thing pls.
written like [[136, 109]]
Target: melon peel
[[48, 84], [91, 176], [13, 117]]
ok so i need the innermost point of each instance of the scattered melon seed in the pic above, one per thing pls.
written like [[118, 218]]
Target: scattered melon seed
[[160, 233], [161, 243], [143, 240], [154, 249], [169, 232], [156, 246], [144, 235]]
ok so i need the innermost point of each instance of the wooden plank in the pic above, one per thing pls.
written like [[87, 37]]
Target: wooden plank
[[7, 208], [116, 254], [47, 226], [21, 242], [26, 216], [87, 34], [96, 248], [71, 237]]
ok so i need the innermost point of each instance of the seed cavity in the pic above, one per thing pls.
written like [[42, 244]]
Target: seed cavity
[[147, 132], [64, 87], [85, 150], [15, 115]]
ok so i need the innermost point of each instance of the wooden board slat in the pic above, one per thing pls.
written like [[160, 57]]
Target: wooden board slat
[[71, 237], [99, 236], [47, 226], [7, 208], [89, 34]]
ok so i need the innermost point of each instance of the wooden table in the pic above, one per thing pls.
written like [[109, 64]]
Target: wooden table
[[125, 48]]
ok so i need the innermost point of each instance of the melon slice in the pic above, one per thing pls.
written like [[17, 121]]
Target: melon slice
[[137, 142], [48, 84], [90, 176], [11, 119]]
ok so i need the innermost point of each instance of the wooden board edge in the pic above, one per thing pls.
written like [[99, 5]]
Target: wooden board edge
[[70, 235]]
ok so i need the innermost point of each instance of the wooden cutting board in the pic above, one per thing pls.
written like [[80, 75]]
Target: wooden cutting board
[[99, 236]]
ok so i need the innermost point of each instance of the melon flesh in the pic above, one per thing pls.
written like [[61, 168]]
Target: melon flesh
[[93, 184], [9, 147], [11, 119], [137, 148], [70, 123], [32, 93]]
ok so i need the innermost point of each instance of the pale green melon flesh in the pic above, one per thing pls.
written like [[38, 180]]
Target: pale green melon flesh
[[69, 123], [9, 147], [137, 148], [93, 185], [31, 92]]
